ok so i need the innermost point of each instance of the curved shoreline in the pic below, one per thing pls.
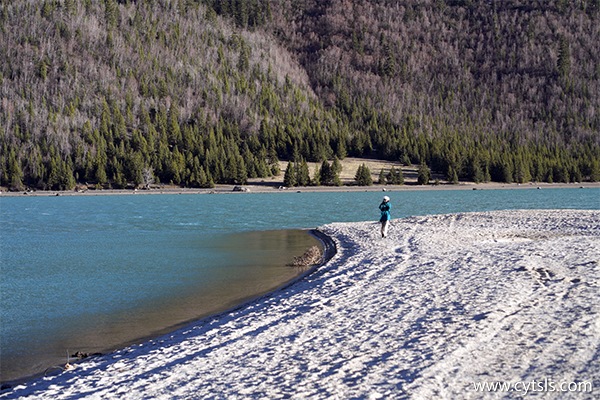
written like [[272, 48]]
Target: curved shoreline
[[443, 303], [328, 249]]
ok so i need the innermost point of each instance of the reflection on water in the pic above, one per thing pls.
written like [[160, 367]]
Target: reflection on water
[[255, 264]]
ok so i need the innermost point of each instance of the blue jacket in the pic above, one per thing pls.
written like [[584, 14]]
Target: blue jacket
[[385, 211]]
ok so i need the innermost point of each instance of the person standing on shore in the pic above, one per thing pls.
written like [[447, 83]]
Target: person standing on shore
[[385, 207]]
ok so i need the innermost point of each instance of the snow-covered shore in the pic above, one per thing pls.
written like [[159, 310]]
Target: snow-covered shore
[[443, 304]]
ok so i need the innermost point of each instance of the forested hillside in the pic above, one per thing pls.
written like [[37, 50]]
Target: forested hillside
[[197, 92]]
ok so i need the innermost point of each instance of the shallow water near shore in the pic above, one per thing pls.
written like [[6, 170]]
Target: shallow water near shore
[[90, 273]]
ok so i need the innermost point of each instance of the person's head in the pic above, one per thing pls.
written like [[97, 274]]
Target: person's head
[[386, 199]]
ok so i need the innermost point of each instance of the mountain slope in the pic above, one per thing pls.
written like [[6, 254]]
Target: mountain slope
[[524, 72], [191, 93]]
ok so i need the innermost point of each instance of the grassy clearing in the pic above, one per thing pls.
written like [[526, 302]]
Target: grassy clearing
[[349, 167]]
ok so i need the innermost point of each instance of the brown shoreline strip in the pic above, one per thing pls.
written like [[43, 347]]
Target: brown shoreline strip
[[327, 246]]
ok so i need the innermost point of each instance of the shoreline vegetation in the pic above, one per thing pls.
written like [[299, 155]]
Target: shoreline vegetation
[[347, 182]]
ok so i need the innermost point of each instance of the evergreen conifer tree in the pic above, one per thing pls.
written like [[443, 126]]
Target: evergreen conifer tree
[[210, 183], [241, 177], [326, 174], [340, 151], [522, 173], [335, 169], [595, 171], [289, 178], [452, 175], [100, 173], [423, 174], [336, 166], [303, 174], [363, 176], [15, 173], [395, 176], [316, 181], [111, 12], [563, 63]]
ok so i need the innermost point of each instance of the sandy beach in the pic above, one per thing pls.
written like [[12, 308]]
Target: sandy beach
[[449, 306]]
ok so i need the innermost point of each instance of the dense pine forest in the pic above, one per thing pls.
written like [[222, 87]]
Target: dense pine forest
[[124, 93]]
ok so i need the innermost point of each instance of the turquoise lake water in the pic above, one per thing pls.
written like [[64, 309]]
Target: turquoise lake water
[[88, 273]]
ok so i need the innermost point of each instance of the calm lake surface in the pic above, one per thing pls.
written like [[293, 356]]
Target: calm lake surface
[[92, 273]]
